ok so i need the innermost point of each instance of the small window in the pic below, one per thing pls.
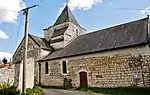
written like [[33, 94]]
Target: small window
[[76, 32], [46, 68], [64, 67]]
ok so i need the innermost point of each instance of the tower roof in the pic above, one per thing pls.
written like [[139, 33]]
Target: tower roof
[[66, 16]]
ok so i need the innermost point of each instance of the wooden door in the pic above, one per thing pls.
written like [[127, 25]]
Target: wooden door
[[83, 79]]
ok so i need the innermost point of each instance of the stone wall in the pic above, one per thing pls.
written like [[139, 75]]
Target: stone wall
[[34, 53], [54, 77], [7, 73], [115, 71], [114, 68]]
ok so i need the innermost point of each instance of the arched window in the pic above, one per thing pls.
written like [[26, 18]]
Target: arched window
[[76, 32], [46, 68], [64, 67]]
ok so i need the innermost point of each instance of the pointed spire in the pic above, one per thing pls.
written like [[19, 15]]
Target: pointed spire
[[66, 16], [67, 2]]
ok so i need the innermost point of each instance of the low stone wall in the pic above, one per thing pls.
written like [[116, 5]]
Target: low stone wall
[[7, 73]]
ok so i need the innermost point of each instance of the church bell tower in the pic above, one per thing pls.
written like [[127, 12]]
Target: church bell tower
[[64, 31]]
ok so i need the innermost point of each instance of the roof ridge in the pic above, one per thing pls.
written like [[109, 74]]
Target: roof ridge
[[146, 18], [36, 36], [67, 12]]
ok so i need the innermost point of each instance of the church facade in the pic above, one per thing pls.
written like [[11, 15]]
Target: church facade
[[118, 56]]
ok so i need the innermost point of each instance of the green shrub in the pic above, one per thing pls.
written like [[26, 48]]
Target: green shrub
[[67, 83], [7, 89], [34, 91]]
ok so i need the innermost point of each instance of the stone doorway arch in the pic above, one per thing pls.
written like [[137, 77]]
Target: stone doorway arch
[[83, 79]]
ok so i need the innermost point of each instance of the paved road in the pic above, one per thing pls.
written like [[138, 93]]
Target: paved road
[[63, 92]]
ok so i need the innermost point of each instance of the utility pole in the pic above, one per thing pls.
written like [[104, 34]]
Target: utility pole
[[26, 13]]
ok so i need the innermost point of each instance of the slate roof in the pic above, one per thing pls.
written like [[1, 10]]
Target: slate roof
[[41, 41], [56, 40], [66, 16], [59, 32], [124, 35]]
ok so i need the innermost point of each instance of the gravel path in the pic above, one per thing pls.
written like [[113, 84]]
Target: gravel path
[[63, 92]]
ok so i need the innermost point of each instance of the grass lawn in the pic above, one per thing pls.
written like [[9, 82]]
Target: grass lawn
[[117, 91]]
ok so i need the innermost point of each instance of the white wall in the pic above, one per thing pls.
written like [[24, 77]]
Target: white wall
[[58, 45], [20, 76], [44, 53], [136, 50], [29, 74]]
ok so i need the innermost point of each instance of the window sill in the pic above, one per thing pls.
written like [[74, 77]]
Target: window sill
[[64, 73]]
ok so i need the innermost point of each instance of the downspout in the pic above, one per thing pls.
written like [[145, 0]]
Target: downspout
[[148, 30], [39, 74]]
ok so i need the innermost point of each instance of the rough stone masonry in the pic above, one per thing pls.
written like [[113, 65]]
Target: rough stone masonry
[[7, 73]]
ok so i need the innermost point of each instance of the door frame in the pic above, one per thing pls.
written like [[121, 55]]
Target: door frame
[[78, 76], [80, 73]]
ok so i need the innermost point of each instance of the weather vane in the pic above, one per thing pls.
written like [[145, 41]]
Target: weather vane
[[67, 1]]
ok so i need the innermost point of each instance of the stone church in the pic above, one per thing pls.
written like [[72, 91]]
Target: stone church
[[117, 56]]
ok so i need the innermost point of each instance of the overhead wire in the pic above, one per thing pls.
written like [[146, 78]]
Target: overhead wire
[[66, 1], [40, 2], [20, 24], [1, 42], [9, 10], [18, 30], [130, 9]]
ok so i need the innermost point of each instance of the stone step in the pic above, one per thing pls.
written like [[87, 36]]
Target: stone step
[[146, 81], [146, 76]]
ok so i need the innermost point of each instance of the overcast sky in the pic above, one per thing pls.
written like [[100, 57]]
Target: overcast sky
[[91, 14]]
